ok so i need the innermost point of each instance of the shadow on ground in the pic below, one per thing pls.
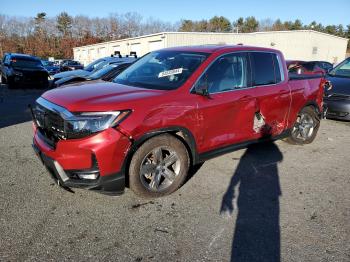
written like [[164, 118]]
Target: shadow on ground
[[14, 105], [257, 232]]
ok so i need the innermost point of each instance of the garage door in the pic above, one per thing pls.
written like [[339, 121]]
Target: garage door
[[102, 52], [136, 48], [92, 54], [155, 45], [115, 48]]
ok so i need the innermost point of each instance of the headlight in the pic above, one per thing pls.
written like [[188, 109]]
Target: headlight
[[17, 73], [84, 124]]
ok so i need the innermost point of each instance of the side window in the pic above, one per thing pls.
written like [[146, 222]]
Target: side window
[[263, 68], [277, 67], [7, 60], [229, 72], [326, 66]]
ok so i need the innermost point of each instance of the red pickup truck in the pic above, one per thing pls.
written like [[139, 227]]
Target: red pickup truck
[[170, 110]]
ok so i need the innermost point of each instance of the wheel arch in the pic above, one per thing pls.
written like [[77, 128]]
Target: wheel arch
[[181, 133], [309, 107], [313, 104]]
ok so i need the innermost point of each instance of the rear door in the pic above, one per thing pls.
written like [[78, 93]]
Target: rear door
[[271, 91], [227, 116]]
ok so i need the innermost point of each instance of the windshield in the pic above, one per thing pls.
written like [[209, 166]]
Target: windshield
[[23, 62], [164, 70], [98, 64], [72, 63], [343, 69], [47, 63], [103, 71]]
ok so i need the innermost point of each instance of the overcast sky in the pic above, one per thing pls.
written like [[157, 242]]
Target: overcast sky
[[326, 12]]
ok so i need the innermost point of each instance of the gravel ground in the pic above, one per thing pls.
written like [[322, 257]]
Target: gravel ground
[[272, 202]]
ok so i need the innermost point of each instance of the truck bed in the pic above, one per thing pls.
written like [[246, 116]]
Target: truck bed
[[293, 76]]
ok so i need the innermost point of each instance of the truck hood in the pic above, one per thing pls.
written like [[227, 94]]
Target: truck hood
[[79, 72], [99, 96]]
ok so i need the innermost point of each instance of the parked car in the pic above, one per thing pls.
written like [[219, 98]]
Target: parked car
[[314, 65], [308, 67], [337, 98], [21, 71], [172, 109], [70, 65], [59, 62], [50, 67], [107, 73], [94, 66]]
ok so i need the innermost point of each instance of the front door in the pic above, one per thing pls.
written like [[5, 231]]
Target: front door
[[226, 116]]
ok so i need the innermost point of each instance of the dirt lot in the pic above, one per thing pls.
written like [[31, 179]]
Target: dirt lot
[[271, 202]]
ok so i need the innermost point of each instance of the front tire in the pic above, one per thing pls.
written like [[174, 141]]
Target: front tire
[[305, 127], [159, 166]]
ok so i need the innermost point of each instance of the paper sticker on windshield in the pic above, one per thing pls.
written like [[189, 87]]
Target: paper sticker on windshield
[[170, 72]]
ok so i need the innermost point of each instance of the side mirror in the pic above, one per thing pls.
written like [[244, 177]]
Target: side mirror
[[201, 88], [203, 91]]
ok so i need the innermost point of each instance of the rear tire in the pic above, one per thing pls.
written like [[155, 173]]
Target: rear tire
[[305, 127], [159, 167]]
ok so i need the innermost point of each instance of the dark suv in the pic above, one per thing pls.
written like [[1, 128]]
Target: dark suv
[[18, 70], [70, 65]]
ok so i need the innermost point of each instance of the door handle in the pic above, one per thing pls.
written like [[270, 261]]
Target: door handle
[[246, 97]]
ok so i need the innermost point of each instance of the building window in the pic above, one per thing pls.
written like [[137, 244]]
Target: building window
[[314, 50]]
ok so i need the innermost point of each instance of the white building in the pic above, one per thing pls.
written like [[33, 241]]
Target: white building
[[296, 45]]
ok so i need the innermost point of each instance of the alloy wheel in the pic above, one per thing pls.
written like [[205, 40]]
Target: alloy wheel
[[304, 127], [159, 169]]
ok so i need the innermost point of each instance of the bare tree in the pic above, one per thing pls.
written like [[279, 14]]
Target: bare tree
[[56, 36], [131, 24], [266, 24]]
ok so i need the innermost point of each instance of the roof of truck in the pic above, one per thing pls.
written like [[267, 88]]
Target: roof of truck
[[22, 56], [215, 48]]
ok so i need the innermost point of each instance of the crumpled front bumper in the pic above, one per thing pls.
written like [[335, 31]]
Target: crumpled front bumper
[[112, 184]]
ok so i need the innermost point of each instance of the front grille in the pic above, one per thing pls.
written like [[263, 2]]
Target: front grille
[[50, 119], [33, 77], [50, 124]]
